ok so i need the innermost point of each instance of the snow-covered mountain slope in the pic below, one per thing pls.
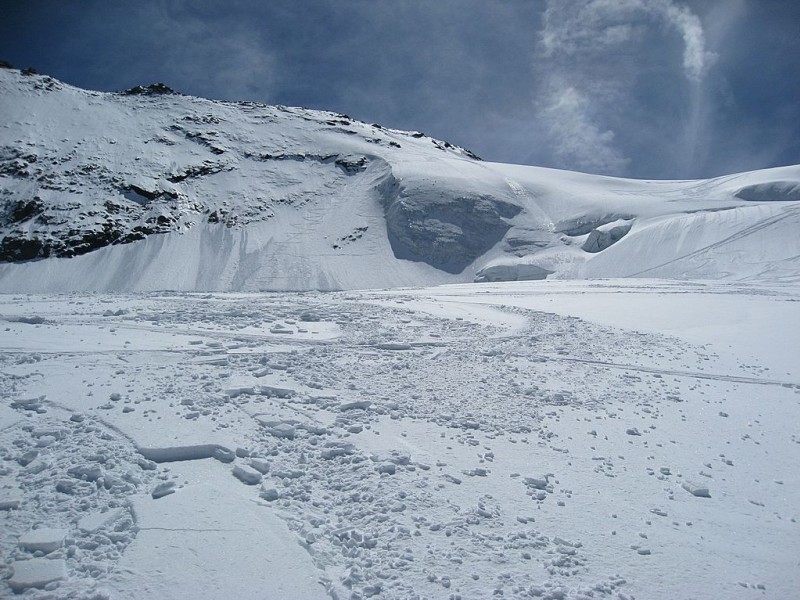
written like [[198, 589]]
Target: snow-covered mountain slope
[[147, 190]]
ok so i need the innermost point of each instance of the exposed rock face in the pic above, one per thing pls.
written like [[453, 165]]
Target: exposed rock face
[[603, 237], [447, 232], [588, 223], [149, 90]]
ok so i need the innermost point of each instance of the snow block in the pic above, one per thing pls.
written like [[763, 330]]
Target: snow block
[[45, 540], [179, 453], [356, 405], [86, 472], [260, 465], [56, 433], [276, 392], [247, 475], [9, 503], [32, 404], [163, 489], [284, 430], [695, 489], [269, 494], [235, 392], [393, 346], [95, 521], [388, 468], [334, 449], [224, 455], [36, 573], [538, 483]]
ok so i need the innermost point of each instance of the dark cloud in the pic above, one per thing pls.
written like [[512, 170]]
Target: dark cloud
[[647, 88]]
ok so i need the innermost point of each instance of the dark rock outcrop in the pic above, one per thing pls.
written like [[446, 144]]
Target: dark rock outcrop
[[446, 232]]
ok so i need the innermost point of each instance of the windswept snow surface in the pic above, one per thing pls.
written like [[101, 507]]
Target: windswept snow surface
[[563, 440], [148, 190]]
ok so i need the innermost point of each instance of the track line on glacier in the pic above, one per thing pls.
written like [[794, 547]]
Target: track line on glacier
[[695, 374], [234, 336]]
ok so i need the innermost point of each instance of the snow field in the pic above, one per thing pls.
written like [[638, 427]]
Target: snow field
[[443, 442]]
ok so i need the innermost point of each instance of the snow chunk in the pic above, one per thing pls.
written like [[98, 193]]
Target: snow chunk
[[277, 392], [179, 453], [45, 540], [282, 430], [36, 573], [356, 405], [269, 494], [163, 489], [27, 458], [393, 346], [224, 455], [9, 503], [260, 465], [696, 489], [538, 483], [33, 404], [247, 474], [395, 457], [95, 521], [86, 472], [240, 391], [334, 449], [53, 432]]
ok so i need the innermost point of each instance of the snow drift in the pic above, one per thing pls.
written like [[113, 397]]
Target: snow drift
[[148, 189]]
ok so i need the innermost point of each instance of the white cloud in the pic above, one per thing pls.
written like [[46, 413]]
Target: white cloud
[[572, 27], [590, 67], [219, 59], [575, 26], [696, 60], [579, 143]]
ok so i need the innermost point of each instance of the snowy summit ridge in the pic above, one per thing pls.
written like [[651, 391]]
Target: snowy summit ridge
[[148, 189]]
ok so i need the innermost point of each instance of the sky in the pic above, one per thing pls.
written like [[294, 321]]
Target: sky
[[652, 89]]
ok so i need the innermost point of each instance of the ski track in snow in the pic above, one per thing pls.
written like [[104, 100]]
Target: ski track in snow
[[437, 443]]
